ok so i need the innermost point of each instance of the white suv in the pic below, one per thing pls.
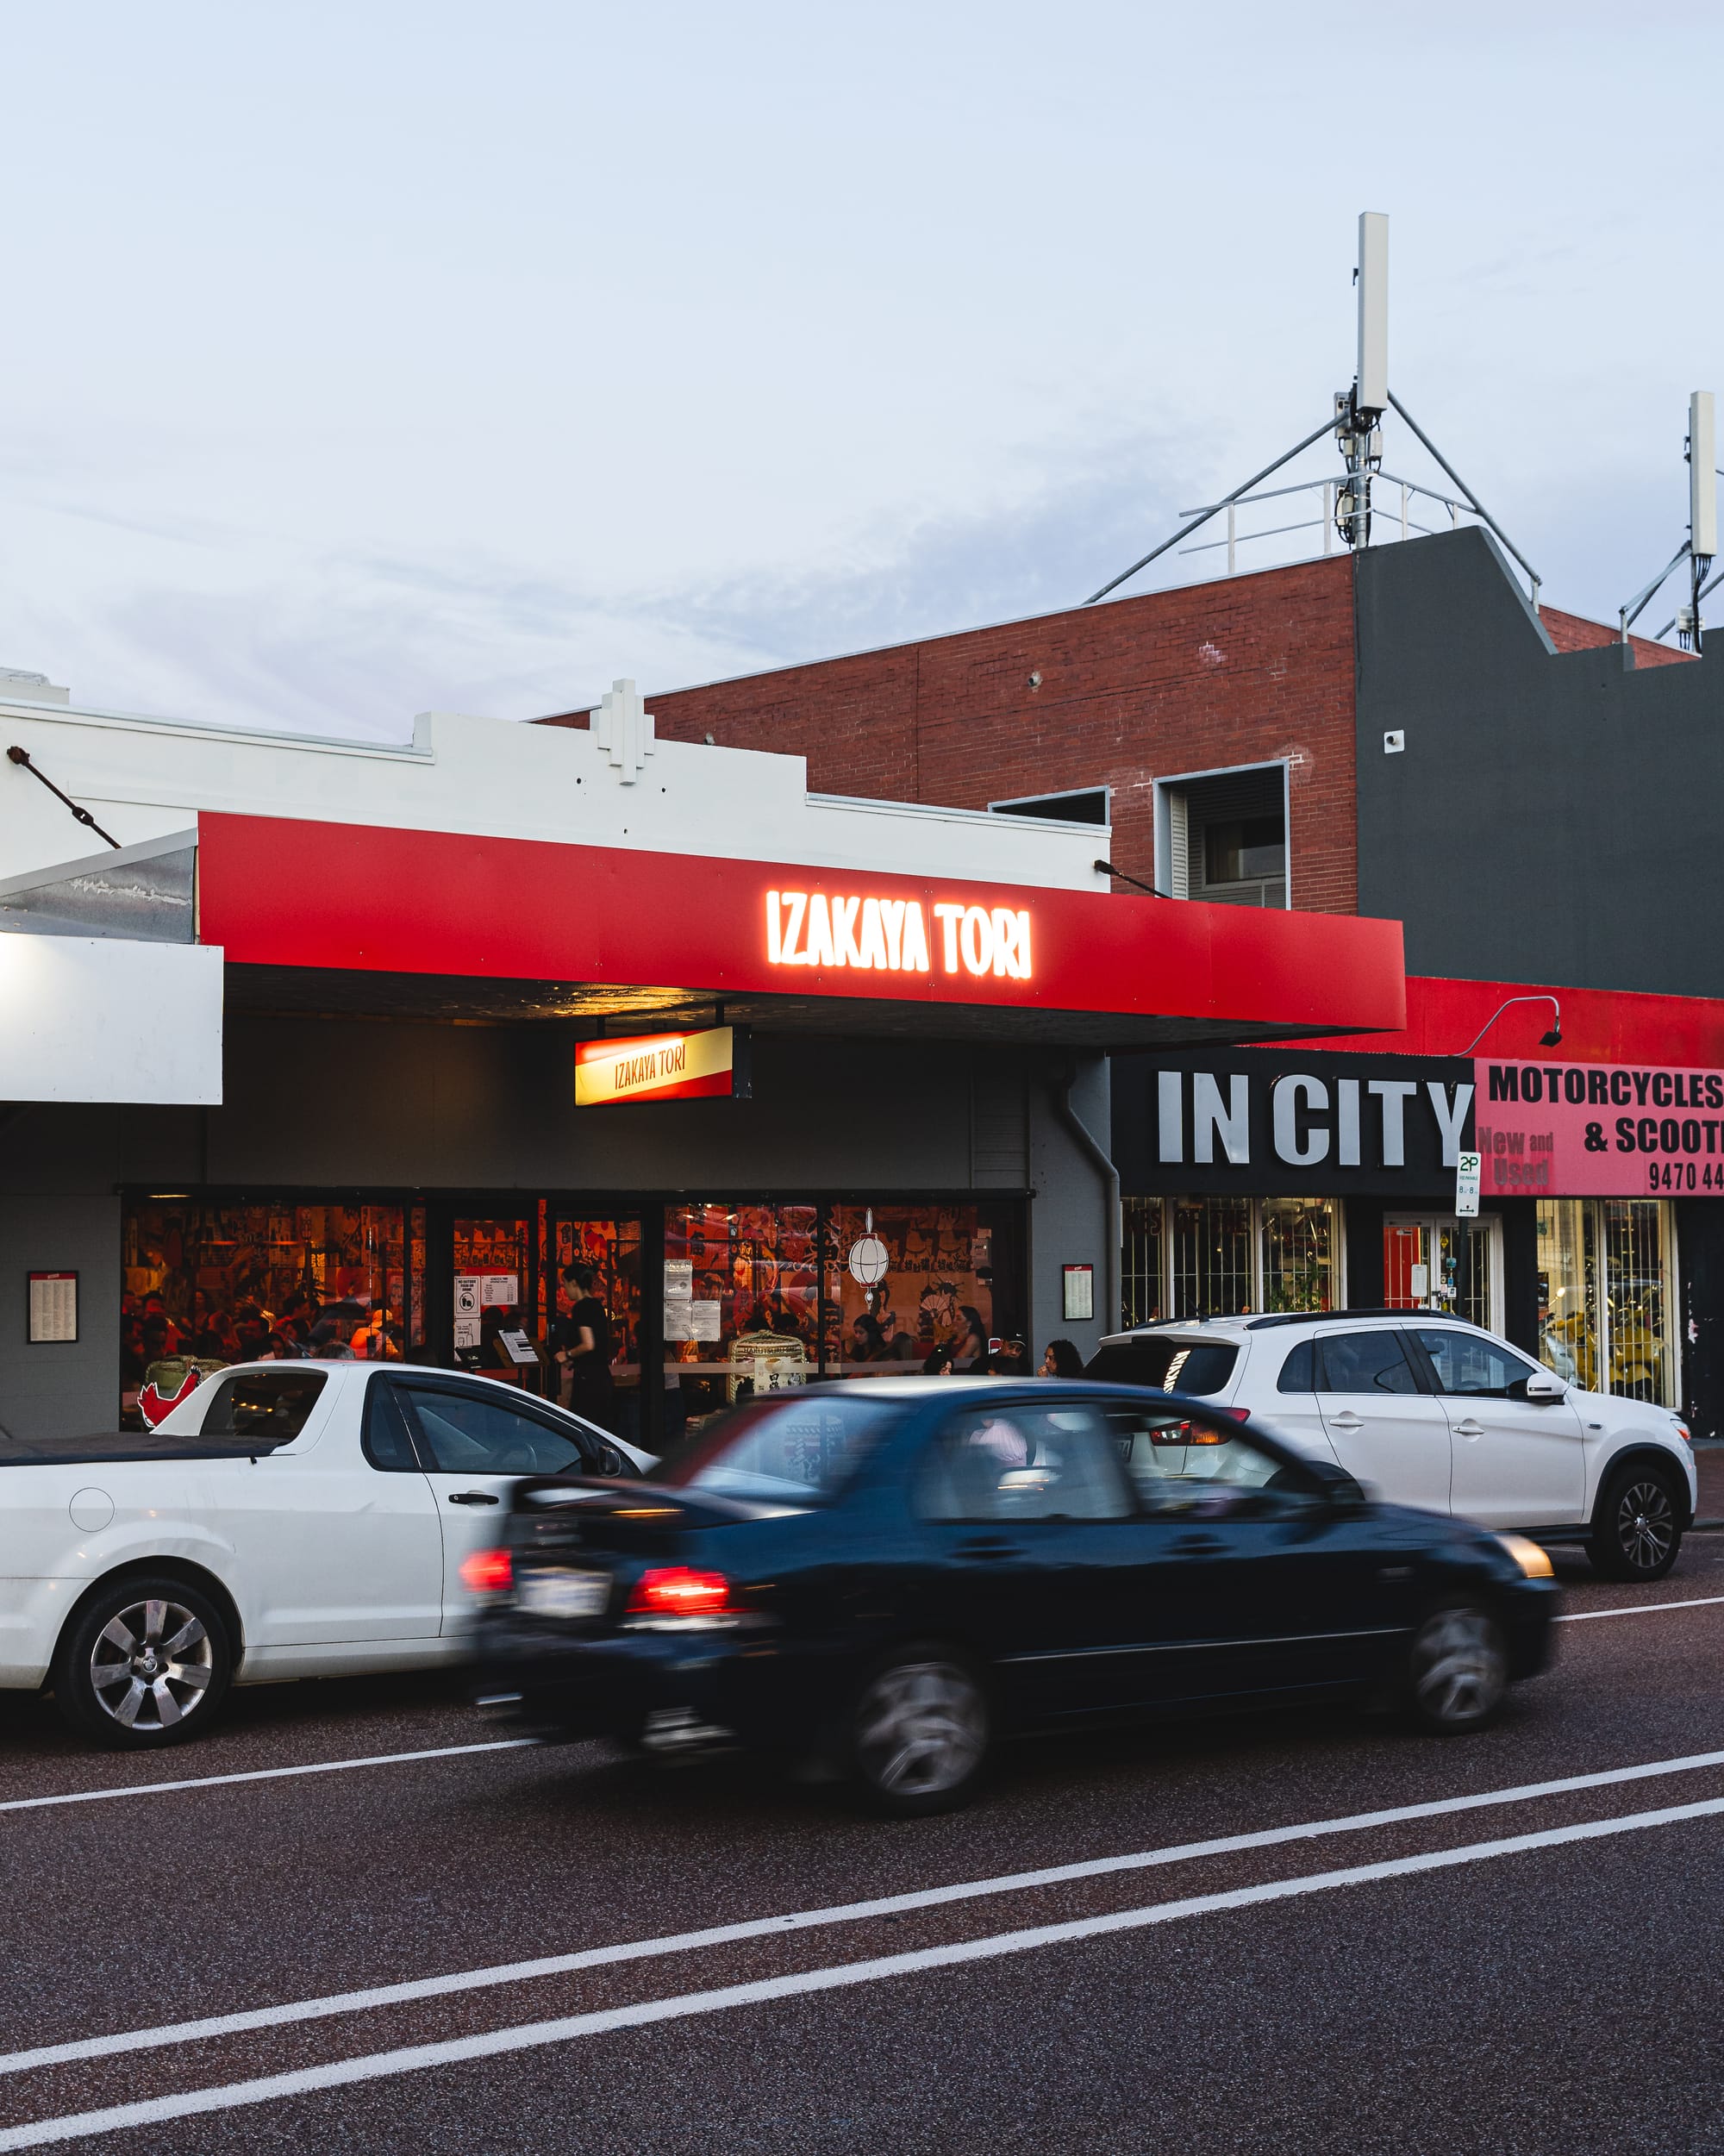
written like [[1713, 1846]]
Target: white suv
[[1427, 1410]]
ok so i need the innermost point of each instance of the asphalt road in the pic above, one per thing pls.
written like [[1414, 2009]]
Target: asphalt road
[[1493, 1976]]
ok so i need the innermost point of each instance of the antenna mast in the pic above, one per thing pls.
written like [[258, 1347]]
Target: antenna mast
[[1701, 543], [1355, 422]]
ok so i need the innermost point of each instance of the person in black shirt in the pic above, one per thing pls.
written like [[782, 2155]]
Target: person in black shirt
[[583, 1349]]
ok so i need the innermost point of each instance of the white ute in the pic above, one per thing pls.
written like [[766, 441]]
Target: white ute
[[290, 1519], [1425, 1410]]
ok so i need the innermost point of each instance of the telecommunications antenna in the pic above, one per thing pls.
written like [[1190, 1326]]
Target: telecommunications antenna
[[1700, 547], [1356, 421]]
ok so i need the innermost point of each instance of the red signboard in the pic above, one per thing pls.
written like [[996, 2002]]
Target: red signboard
[[279, 891], [1552, 1129]]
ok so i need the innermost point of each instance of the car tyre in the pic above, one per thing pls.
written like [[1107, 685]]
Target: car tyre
[[1457, 1669], [144, 1663], [919, 1733], [1637, 1528]]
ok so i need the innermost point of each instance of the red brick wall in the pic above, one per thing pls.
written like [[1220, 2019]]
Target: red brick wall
[[1574, 632], [1236, 671]]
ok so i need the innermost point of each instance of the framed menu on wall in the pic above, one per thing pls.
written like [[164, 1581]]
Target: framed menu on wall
[[54, 1307]]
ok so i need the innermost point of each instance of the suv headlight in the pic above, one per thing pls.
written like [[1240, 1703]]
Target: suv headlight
[[1533, 1561]]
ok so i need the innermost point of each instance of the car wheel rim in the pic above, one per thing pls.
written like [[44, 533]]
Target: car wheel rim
[[1458, 1671], [920, 1729], [1645, 1525], [151, 1665]]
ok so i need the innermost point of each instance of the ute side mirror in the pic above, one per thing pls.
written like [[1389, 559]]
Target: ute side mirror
[[1545, 1387]]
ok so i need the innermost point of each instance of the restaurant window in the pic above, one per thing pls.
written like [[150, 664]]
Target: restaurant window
[[1218, 1257], [760, 1298], [1605, 1270], [205, 1284]]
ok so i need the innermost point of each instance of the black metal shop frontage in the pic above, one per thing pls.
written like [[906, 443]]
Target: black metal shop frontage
[[708, 1299], [1294, 1180]]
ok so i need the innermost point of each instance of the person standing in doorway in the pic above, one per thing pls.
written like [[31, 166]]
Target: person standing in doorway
[[583, 1349]]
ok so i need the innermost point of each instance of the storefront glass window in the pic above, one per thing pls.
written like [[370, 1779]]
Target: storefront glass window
[[494, 1291], [612, 1248], [1141, 1260], [742, 1303], [1634, 1292], [1212, 1268], [214, 1284], [902, 1281], [1301, 1254], [1604, 1271]]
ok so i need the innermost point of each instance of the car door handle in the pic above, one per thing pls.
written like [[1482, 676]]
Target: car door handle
[[1469, 1429], [1347, 1419], [988, 1546], [473, 1496], [1199, 1545]]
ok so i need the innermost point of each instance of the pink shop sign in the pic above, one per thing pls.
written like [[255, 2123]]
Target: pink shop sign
[[1598, 1130]]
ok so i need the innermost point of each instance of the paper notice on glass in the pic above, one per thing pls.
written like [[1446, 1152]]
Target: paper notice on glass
[[1466, 1185], [1418, 1282], [469, 1293], [679, 1319], [466, 1332], [501, 1289], [679, 1280], [705, 1320]]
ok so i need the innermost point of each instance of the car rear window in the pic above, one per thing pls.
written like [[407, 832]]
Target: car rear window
[[1165, 1365], [787, 1451], [264, 1408]]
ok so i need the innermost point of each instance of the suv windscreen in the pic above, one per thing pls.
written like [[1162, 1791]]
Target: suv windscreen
[[263, 1407], [1165, 1365], [783, 1452]]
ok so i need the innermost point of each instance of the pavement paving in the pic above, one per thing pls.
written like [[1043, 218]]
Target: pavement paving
[[1525, 1967]]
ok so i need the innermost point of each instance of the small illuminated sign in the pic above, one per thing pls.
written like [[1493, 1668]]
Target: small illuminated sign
[[659, 1067], [1079, 1297], [871, 935]]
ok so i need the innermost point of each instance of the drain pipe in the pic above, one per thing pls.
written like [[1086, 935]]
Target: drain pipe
[[1102, 1162]]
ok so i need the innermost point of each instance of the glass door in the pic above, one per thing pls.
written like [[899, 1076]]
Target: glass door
[[1436, 1262], [495, 1297], [595, 1259]]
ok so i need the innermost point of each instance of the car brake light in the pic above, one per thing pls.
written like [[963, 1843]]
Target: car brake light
[[488, 1572], [675, 1590]]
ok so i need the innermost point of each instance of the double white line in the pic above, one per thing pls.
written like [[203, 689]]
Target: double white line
[[378, 2065]]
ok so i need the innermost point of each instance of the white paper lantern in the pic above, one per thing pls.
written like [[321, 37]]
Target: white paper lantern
[[869, 1260]]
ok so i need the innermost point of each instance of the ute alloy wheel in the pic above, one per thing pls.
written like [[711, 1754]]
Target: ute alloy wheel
[[144, 1665], [920, 1732], [1638, 1529], [1457, 1671]]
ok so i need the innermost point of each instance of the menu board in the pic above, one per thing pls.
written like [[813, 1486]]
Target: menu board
[[53, 1306]]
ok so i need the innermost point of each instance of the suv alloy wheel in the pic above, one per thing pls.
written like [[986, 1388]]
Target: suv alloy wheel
[[1637, 1529]]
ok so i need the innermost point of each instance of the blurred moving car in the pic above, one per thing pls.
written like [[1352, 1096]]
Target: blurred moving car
[[1426, 1409], [891, 1579], [298, 1519]]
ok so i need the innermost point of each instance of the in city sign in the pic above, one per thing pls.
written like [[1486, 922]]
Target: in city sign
[[869, 933], [1600, 1130], [661, 1066], [1285, 1121]]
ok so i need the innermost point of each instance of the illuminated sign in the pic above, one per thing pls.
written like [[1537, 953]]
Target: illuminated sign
[[661, 1066], [891, 935]]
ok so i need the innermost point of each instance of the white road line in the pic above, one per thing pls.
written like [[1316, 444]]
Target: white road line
[[1638, 1609], [360, 2002], [533, 2036], [262, 1774]]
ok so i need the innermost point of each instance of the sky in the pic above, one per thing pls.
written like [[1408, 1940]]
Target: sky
[[372, 358]]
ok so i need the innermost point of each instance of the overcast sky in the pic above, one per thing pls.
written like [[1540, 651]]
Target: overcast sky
[[365, 358]]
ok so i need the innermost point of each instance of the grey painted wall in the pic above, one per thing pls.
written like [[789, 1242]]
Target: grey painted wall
[[1554, 817], [59, 1388]]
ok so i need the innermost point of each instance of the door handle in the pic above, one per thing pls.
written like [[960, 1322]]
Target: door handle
[[1469, 1429], [989, 1545], [1199, 1545], [1347, 1419], [473, 1496]]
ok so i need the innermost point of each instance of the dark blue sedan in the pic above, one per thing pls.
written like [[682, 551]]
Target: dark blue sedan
[[890, 1576]]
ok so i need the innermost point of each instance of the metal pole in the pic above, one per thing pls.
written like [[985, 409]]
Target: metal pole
[[1232, 515], [1328, 517], [1203, 516], [1476, 506], [1403, 509]]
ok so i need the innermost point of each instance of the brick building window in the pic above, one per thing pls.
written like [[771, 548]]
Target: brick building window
[[1221, 836]]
